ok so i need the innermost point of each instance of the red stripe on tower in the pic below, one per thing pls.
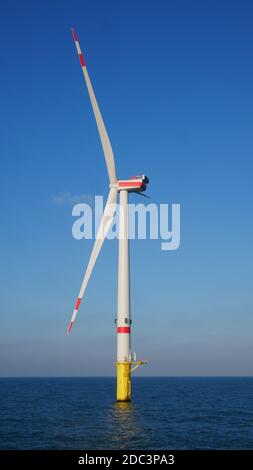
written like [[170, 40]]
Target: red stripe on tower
[[77, 303], [123, 329], [82, 60]]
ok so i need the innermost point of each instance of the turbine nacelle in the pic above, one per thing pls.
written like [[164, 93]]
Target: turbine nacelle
[[134, 184]]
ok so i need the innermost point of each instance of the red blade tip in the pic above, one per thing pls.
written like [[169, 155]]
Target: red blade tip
[[74, 34], [70, 326]]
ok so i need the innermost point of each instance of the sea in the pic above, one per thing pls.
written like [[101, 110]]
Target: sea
[[165, 413]]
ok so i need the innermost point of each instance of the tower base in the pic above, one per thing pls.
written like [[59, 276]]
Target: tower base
[[123, 381], [124, 378]]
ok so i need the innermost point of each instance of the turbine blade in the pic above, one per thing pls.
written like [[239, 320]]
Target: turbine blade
[[104, 226], [107, 148]]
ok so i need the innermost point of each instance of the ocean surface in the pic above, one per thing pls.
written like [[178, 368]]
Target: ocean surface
[[165, 413]]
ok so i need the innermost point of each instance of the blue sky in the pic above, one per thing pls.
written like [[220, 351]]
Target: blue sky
[[174, 84]]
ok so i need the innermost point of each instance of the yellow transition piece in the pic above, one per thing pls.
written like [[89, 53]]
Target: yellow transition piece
[[124, 378], [123, 381]]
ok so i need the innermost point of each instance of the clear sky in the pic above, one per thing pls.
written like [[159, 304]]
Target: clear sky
[[174, 83]]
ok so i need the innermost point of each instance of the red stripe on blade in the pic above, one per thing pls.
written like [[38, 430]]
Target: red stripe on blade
[[74, 35], [77, 303], [70, 326], [82, 60], [123, 329]]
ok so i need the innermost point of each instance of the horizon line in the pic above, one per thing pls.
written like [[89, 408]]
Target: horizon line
[[114, 376]]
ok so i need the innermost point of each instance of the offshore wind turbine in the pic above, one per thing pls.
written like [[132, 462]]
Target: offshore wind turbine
[[126, 362]]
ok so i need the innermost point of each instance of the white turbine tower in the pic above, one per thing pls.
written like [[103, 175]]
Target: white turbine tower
[[125, 363]]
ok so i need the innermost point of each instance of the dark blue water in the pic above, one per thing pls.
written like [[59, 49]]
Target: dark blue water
[[165, 413]]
